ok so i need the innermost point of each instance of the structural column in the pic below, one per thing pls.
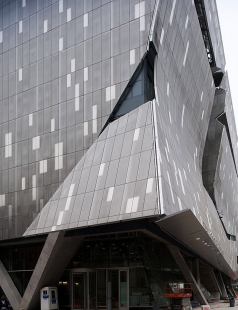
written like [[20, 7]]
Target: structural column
[[187, 274], [9, 287], [55, 256]]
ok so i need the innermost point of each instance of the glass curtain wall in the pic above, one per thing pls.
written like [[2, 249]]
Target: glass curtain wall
[[20, 262], [148, 263]]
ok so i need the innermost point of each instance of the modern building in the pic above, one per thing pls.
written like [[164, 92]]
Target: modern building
[[118, 153]]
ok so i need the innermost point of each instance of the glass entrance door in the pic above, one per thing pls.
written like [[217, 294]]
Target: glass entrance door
[[117, 289], [83, 290], [79, 290]]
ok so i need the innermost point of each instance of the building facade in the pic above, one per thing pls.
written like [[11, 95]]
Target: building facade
[[118, 152]]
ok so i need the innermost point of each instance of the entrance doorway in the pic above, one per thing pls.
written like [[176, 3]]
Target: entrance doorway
[[117, 289], [83, 289], [108, 290]]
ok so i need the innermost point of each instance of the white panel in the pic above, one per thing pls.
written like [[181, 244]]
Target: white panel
[[8, 151], [68, 15], [33, 193], [69, 80], [85, 20], [94, 111], [9, 212], [136, 134], [202, 115], [56, 163], [162, 36], [60, 162], [149, 186], [142, 23], [20, 75], [20, 26], [108, 93], [8, 138], [76, 90], [201, 96], [186, 52], [186, 23], [60, 218], [71, 190], [0, 36], [172, 12], [30, 119], [85, 74], [36, 143], [61, 44], [132, 57], [135, 203], [101, 170], [73, 65], [2, 200], [33, 180], [95, 126], [129, 205], [182, 115], [68, 201], [8, 143], [137, 10], [23, 183], [23, 3], [52, 124], [142, 8], [43, 166], [61, 6], [45, 26], [85, 129], [59, 149], [77, 104], [110, 194]]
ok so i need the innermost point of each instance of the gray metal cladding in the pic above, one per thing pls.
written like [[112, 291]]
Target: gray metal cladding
[[63, 66], [63, 69], [114, 181]]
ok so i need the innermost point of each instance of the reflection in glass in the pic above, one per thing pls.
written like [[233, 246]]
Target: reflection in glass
[[92, 290], [64, 289], [101, 289], [123, 289], [140, 293], [113, 290], [78, 291]]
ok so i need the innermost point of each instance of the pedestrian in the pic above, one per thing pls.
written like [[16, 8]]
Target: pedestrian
[[4, 303]]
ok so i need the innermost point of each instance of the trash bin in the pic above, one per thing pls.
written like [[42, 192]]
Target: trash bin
[[232, 302]]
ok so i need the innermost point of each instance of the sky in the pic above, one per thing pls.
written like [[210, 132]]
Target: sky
[[228, 17]]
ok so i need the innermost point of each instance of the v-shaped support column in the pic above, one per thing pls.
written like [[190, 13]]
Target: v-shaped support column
[[9, 288], [54, 258], [187, 274]]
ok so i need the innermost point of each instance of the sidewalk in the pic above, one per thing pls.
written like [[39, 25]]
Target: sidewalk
[[222, 305]]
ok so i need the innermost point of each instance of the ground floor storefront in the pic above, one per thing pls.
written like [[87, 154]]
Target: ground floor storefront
[[118, 271], [124, 270]]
